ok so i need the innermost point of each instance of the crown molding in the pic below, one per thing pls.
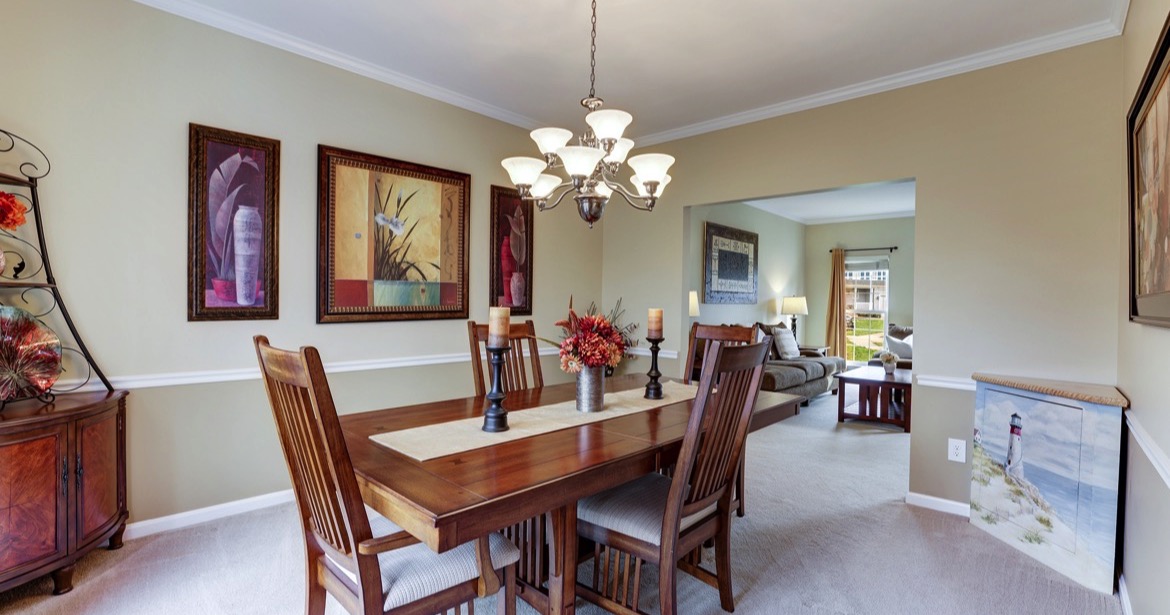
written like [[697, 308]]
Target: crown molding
[[1010, 53], [263, 34]]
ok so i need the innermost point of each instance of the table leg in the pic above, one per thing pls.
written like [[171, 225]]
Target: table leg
[[885, 411], [906, 410], [562, 582], [841, 402]]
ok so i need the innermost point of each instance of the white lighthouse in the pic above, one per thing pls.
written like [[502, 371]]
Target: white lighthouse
[[1014, 465]]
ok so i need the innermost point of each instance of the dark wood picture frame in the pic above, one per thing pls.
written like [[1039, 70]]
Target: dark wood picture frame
[[731, 264], [1148, 148], [510, 251], [232, 185], [392, 239]]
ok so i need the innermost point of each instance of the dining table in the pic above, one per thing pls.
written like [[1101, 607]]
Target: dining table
[[530, 485]]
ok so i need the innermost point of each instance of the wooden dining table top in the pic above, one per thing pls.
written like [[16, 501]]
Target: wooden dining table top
[[449, 500]]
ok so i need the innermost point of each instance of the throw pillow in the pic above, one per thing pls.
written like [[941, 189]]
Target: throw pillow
[[785, 343], [903, 348], [762, 330]]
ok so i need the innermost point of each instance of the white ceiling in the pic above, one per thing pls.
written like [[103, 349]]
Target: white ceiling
[[849, 204], [682, 67]]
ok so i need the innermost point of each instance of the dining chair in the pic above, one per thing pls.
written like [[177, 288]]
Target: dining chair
[[521, 336], [367, 562], [663, 520], [698, 349]]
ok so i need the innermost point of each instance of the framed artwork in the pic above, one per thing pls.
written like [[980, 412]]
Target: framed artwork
[[1149, 193], [510, 252], [392, 239], [232, 197], [730, 264]]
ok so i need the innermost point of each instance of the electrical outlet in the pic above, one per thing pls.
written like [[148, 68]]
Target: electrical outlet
[[957, 450]]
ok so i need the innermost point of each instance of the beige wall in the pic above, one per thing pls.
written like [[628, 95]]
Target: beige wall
[[781, 257], [1016, 167], [820, 238], [107, 89], [1142, 366]]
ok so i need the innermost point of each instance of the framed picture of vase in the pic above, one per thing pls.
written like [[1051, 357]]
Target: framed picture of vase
[[1149, 192], [730, 264], [392, 239], [232, 200], [510, 251]]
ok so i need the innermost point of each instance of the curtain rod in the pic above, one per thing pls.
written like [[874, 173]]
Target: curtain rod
[[890, 248]]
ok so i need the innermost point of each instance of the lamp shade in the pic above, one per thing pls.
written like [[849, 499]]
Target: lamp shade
[[549, 140], [794, 305], [608, 123], [580, 160], [651, 167], [640, 187], [620, 150], [603, 189], [523, 170], [694, 301], [544, 185]]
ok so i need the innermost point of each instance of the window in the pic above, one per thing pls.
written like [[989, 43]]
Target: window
[[867, 293]]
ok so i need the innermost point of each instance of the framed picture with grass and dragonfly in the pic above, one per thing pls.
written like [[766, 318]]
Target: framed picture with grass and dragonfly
[[392, 239]]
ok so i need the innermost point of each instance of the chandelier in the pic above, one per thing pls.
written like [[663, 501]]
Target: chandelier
[[593, 164]]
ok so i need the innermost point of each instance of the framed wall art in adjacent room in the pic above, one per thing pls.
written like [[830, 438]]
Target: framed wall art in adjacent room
[[232, 200], [510, 252], [392, 239], [730, 264]]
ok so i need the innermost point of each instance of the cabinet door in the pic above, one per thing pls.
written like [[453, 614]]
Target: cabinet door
[[99, 491], [34, 481]]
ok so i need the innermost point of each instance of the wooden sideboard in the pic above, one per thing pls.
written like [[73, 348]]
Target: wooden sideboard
[[62, 484]]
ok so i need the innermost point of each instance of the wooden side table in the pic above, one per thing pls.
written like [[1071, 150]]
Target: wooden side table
[[876, 399]]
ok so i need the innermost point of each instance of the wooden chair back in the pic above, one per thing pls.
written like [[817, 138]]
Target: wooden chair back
[[332, 514], [714, 441], [699, 344], [515, 376]]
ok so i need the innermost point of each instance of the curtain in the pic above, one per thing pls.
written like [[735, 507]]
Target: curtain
[[835, 319]]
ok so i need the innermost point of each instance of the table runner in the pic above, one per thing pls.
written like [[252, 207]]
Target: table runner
[[441, 439]]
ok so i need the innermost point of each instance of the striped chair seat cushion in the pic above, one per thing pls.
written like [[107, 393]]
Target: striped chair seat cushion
[[415, 572], [635, 509]]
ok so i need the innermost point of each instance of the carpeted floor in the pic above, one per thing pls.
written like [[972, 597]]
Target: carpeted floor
[[827, 533]]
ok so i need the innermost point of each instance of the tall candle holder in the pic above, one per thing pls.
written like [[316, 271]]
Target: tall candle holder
[[654, 388], [495, 418]]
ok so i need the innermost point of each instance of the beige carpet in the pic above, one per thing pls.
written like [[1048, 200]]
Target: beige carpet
[[827, 532]]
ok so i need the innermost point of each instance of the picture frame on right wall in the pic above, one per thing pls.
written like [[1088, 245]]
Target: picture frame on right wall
[[1149, 192]]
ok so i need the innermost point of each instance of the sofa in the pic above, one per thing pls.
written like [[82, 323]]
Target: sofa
[[809, 374], [900, 341]]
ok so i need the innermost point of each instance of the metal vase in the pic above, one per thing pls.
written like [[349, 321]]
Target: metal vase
[[590, 389]]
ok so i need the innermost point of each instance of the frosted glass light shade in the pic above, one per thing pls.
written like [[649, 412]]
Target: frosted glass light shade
[[603, 189], [523, 170], [549, 140], [608, 123], [641, 188], [620, 150], [544, 185], [651, 167], [580, 160]]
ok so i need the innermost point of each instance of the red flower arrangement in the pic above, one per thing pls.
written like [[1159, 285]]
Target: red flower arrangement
[[11, 211], [590, 341]]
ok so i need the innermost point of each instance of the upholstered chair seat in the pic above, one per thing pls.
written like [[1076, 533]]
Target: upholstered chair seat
[[636, 509], [412, 573]]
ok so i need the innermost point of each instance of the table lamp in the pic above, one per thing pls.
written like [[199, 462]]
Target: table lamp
[[694, 304], [794, 306]]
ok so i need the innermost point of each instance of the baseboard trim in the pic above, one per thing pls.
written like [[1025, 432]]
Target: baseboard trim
[[939, 504], [1123, 594], [1151, 449], [945, 382], [140, 529]]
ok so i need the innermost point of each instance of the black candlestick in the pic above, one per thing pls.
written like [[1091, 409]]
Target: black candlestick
[[654, 388], [495, 418]]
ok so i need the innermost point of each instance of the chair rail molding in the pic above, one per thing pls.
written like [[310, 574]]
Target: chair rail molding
[[945, 382], [1149, 447]]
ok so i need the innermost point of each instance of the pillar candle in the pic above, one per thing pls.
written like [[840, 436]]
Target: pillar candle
[[498, 325], [654, 324]]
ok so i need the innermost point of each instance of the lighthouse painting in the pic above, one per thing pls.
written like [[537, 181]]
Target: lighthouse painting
[[1044, 479]]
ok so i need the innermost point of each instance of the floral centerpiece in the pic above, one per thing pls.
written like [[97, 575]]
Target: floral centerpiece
[[889, 361], [592, 344]]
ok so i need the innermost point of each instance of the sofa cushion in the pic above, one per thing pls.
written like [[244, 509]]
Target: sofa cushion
[[766, 329], [786, 344], [778, 377], [899, 332]]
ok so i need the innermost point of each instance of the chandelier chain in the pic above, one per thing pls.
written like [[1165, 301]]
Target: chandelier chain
[[593, 52]]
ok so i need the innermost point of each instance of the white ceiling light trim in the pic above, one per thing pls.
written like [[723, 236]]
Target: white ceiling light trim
[[1010, 53], [263, 34]]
